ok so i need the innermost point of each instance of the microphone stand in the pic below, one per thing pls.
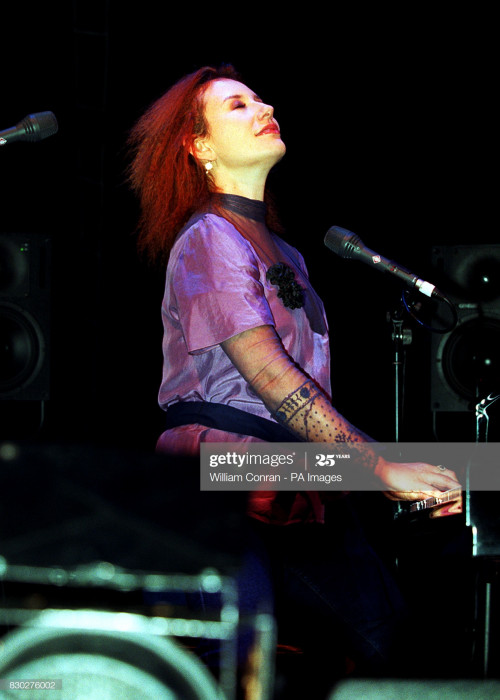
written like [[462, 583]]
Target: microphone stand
[[487, 566], [482, 417], [401, 337]]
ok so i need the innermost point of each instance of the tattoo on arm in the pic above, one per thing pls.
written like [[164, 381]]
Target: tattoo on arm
[[308, 413]]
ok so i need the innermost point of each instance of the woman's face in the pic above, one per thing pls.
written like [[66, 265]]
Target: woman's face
[[242, 131]]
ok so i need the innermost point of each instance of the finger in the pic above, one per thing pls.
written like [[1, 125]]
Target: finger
[[436, 488], [431, 481], [411, 495], [449, 473], [442, 482]]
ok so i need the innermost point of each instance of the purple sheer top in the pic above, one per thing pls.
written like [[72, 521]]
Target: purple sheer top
[[216, 287]]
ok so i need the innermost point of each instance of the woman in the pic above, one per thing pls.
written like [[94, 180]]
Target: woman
[[246, 352]]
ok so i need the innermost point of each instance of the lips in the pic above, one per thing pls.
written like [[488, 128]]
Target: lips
[[269, 129]]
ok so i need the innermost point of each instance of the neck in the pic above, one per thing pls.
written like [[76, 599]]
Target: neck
[[248, 184], [248, 192]]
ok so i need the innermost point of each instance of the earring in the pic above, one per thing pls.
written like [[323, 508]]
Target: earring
[[208, 166]]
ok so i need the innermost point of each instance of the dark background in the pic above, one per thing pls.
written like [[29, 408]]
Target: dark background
[[387, 119]]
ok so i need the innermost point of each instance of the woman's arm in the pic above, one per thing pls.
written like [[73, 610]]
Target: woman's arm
[[296, 402]]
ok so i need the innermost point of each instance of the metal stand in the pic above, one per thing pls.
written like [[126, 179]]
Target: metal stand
[[482, 418], [401, 337], [143, 639], [488, 566]]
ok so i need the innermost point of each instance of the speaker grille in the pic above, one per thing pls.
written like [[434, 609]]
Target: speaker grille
[[24, 316]]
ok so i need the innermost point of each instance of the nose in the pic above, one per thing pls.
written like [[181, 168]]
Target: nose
[[266, 112]]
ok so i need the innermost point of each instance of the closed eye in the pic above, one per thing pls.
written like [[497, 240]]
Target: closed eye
[[238, 103]]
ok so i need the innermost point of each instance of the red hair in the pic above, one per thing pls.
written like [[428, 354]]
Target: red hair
[[169, 181]]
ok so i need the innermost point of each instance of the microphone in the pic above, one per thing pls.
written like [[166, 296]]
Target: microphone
[[34, 127], [349, 245]]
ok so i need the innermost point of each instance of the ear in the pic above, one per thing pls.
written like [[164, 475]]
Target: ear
[[201, 150]]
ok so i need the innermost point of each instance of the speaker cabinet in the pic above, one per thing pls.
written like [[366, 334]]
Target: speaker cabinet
[[24, 316], [87, 654], [465, 363]]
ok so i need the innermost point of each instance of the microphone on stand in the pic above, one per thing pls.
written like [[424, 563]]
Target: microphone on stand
[[348, 245], [34, 127]]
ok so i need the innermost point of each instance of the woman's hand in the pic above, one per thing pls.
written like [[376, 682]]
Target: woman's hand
[[414, 481]]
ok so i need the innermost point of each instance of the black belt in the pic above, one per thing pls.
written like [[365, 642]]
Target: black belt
[[227, 418]]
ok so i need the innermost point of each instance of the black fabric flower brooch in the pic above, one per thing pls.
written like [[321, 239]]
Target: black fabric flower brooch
[[289, 291]]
